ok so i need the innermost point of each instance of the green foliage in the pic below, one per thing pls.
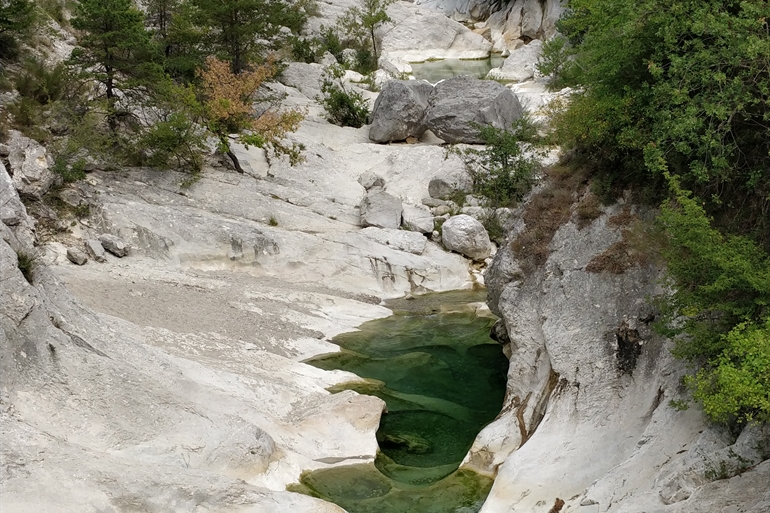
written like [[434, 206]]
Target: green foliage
[[237, 27], [358, 23], [114, 50], [16, 18], [736, 384], [342, 107], [40, 83], [719, 305], [504, 170], [690, 82], [554, 60], [69, 172], [177, 137]]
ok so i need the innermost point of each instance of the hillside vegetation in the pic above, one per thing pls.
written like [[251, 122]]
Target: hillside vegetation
[[673, 103]]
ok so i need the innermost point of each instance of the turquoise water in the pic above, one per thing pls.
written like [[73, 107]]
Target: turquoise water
[[443, 379]]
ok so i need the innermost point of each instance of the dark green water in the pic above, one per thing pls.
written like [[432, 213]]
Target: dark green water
[[443, 379]]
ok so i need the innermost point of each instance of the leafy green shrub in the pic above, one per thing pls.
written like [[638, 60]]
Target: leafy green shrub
[[176, 139], [721, 287], [302, 50], [16, 18], [40, 83], [69, 172], [342, 107], [554, 59], [505, 169]]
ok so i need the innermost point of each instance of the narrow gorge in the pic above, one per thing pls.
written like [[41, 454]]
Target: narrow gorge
[[343, 333]]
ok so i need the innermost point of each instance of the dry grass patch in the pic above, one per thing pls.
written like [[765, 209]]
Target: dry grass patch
[[546, 212], [640, 246]]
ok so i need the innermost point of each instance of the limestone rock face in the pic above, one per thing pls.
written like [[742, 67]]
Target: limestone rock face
[[417, 219], [400, 240], [399, 111], [306, 78], [520, 64], [458, 103], [419, 35], [30, 166], [465, 235], [380, 209], [447, 184], [589, 376]]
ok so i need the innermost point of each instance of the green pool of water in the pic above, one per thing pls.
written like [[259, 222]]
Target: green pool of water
[[433, 71], [443, 379]]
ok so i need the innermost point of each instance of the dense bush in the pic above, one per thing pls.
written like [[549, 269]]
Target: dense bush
[[343, 107], [504, 169]]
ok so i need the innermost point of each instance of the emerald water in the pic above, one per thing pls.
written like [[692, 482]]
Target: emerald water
[[433, 71], [443, 379]]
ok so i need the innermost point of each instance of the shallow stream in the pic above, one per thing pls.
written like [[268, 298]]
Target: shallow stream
[[443, 379]]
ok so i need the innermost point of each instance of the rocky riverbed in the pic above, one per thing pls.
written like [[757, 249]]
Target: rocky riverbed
[[165, 374]]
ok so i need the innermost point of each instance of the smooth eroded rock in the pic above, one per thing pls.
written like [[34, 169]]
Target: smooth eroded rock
[[77, 256], [399, 111], [401, 240], [114, 245], [448, 184], [95, 250], [520, 65], [29, 166], [417, 219], [466, 235], [459, 105], [380, 209]]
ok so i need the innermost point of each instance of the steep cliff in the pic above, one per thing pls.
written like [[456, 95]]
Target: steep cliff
[[587, 418]]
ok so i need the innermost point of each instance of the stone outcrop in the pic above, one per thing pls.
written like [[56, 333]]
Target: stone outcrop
[[417, 35], [399, 111], [465, 235], [95, 250], [401, 240], [589, 386], [77, 256], [417, 219], [520, 64], [380, 209], [459, 103], [29, 165], [449, 184], [508, 22], [114, 245]]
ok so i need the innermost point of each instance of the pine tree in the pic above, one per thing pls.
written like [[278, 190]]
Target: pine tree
[[114, 49], [16, 16], [237, 25]]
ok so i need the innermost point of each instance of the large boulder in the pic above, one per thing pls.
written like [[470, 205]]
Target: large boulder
[[417, 219], [29, 166], [380, 209], [399, 111], [466, 235], [520, 65], [114, 245], [459, 103]]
